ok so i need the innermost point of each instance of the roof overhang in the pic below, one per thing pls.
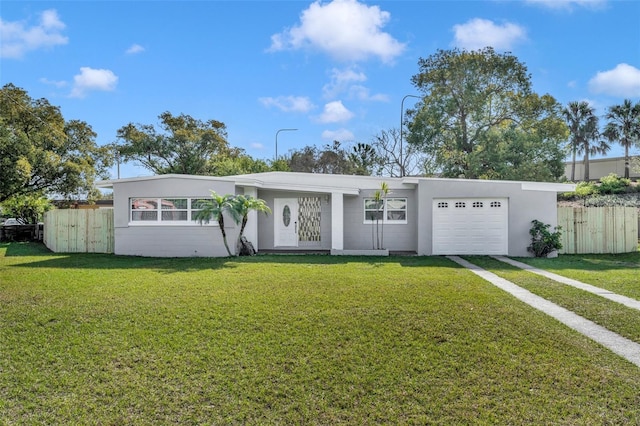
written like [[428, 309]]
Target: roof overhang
[[106, 184], [548, 186], [297, 187]]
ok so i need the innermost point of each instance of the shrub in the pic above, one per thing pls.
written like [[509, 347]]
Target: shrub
[[612, 184], [584, 189], [543, 241]]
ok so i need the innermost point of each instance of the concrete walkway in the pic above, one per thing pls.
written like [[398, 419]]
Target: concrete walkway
[[622, 346], [624, 300]]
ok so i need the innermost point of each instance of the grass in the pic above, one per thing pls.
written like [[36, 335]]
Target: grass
[[619, 273], [611, 315], [101, 339]]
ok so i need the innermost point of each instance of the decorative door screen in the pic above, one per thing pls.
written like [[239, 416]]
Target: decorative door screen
[[309, 216]]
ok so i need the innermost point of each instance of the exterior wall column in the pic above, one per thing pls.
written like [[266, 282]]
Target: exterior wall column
[[337, 221], [251, 231]]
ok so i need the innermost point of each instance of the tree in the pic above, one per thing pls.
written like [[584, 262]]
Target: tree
[[333, 159], [585, 134], [214, 209], [27, 207], [183, 144], [381, 195], [41, 153], [624, 127], [363, 157], [386, 145], [474, 103], [237, 163], [244, 204], [580, 119]]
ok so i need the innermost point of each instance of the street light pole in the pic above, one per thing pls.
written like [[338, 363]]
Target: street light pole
[[281, 130], [401, 124]]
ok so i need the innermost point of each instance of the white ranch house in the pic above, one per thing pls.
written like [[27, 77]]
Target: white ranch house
[[333, 214]]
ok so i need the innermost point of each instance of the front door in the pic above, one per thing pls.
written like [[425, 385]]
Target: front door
[[286, 222]]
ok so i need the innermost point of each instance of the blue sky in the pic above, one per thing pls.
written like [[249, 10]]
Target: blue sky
[[334, 70]]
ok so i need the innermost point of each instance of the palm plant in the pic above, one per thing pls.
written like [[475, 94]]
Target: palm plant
[[243, 204], [384, 190], [624, 127], [379, 198], [215, 208], [584, 134]]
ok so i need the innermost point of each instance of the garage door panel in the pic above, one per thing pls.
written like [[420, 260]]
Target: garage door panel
[[470, 226]]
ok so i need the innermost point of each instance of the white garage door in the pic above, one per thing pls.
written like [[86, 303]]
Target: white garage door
[[470, 225]]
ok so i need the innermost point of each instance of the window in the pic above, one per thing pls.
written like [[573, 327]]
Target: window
[[144, 209], [477, 204], [168, 211], [174, 209], [390, 210], [495, 204], [460, 205], [443, 205], [373, 210]]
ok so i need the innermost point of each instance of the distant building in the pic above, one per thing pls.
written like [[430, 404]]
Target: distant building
[[601, 167]]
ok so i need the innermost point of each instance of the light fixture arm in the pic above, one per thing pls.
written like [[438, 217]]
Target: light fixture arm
[[401, 125], [281, 130]]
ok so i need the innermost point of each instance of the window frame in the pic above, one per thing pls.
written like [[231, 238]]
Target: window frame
[[385, 211], [159, 210]]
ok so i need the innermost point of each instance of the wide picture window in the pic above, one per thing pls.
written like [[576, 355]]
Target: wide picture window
[[165, 211], [389, 210]]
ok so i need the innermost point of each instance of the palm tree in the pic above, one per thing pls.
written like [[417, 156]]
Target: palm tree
[[584, 134], [214, 209], [624, 127], [379, 197], [243, 204], [384, 189]]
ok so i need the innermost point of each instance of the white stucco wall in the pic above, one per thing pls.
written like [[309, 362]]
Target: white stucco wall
[[359, 235], [524, 206], [169, 240]]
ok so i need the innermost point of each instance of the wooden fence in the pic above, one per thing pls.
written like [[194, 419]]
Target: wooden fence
[[598, 229], [79, 231]]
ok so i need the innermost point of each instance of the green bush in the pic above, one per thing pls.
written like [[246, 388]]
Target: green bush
[[612, 184], [584, 189], [543, 241]]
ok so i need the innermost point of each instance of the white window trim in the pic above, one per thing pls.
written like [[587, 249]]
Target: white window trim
[[159, 221], [384, 212]]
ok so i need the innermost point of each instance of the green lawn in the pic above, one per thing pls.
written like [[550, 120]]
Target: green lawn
[[101, 339], [619, 273], [611, 315]]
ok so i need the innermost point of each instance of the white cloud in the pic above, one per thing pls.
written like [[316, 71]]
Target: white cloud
[[623, 81], [335, 112], [288, 103], [135, 48], [17, 39], [54, 83], [568, 4], [257, 145], [344, 29], [341, 135], [342, 81], [93, 79], [479, 33], [364, 94]]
